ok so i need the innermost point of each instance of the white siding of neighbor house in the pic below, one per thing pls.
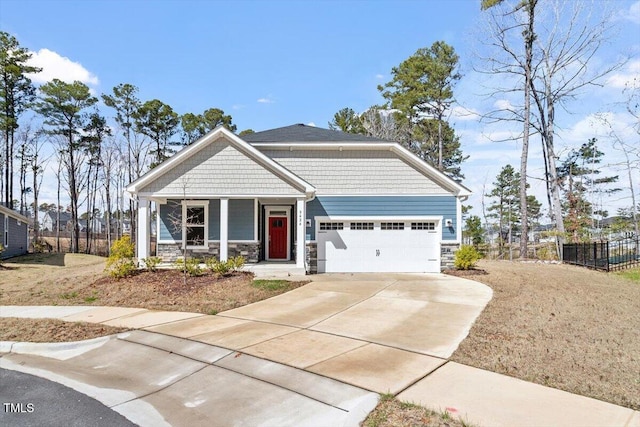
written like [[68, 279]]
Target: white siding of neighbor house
[[355, 171], [219, 169]]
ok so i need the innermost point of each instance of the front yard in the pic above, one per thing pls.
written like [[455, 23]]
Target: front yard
[[561, 326]]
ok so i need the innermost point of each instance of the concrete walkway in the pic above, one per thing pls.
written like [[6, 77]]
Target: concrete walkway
[[381, 333]]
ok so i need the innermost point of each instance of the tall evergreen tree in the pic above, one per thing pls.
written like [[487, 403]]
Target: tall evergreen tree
[[348, 121], [159, 122], [62, 105], [422, 87], [505, 206], [16, 93]]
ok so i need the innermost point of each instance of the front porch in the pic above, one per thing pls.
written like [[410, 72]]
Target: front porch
[[259, 229]]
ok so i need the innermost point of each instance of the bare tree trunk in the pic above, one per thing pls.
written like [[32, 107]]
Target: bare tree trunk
[[529, 37], [58, 175]]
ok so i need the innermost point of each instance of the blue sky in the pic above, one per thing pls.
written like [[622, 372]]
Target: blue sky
[[275, 63]]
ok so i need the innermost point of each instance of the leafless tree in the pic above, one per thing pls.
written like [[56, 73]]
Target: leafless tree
[[565, 37]]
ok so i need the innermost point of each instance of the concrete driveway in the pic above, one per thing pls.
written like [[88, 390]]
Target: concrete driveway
[[312, 356], [381, 332]]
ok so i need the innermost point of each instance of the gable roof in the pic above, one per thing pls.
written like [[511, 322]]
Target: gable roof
[[303, 133], [211, 137]]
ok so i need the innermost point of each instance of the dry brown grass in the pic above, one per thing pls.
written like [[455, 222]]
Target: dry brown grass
[[75, 279], [561, 326], [51, 330], [391, 412]]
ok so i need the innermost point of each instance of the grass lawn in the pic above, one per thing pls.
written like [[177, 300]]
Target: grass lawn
[[562, 326], [76, 279]]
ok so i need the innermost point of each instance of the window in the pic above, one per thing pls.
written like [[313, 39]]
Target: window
[[6, 231], [423, 225], [325, 226], [392, 225], [195, 224], [361, 226]]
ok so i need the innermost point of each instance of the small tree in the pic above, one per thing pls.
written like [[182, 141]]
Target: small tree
[[120, 262]]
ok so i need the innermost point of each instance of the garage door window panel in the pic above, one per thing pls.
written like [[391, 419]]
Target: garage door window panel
[[392, 225], [361, 226], [327, 226], [431, 226]]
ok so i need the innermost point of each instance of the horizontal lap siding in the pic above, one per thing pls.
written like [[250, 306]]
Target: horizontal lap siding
[[214, 219], [241, 220], [17, 244], [444, 206], [221, 169], [356, 172], [170, 216]]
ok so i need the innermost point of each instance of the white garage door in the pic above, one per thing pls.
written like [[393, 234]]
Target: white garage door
[[365, 245]]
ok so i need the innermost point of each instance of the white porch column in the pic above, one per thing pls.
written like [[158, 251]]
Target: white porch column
[[224, 229], [143, 243], [301, 244]]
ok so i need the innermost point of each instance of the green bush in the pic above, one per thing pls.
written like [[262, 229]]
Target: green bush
[[220, 267], [237, 262], [120, 263], [191, 266], [152, 263], [547, 253], [466, 257]]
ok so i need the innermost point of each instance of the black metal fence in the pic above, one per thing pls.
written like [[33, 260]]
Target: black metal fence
[[608, 255]]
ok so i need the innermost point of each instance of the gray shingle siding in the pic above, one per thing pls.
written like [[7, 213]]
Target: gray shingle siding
[[219, 168], [17, 236], [444, 206], [355, 172]]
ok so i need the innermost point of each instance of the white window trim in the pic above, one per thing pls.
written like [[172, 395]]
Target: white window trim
[[6, 232], [204, 204], [267, 215]]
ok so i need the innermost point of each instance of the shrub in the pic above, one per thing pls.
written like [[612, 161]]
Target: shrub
[[236, 263], [547, 253], [191, 266], [220, 267], [466, 257], [152, 263], [120, 263]]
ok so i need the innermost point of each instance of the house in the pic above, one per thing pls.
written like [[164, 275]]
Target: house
[[49, 221], [14, 232], [326, 200]]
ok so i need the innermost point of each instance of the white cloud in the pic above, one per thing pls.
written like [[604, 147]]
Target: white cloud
[[311, 124], [629, 76], [503, 104], [237, 107], [379, 76], [632, 14], [59, 67], [266, 100], [463, 114]]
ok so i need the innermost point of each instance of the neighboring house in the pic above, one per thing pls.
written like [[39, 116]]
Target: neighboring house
[[330, 201], [14, 233], [49, 221]]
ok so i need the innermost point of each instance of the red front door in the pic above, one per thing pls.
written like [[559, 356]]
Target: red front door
[[278, 237]]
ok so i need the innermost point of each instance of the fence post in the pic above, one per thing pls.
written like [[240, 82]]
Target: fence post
[[607, 256]]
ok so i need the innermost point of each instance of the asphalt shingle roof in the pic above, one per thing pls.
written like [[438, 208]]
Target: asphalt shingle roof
[[304, 133]]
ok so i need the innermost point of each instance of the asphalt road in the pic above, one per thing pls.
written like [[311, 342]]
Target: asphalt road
[[27, 400]]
